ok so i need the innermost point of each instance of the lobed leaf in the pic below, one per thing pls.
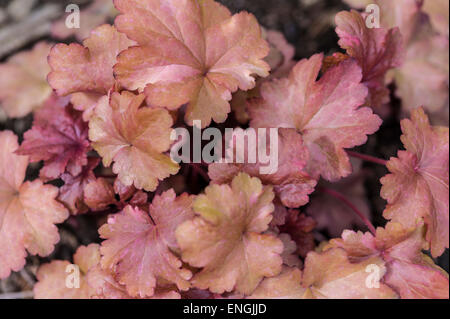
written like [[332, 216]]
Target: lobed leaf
[[290, 181], [59, 137], [86, 71]]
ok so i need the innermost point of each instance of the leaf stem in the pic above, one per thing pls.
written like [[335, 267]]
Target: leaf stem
[[343, 199], [367, 158]]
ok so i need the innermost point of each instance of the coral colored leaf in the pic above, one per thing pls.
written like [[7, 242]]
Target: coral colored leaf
[[423, 79], [59, 137], [409, 271], [189, 52], [284, 286], [94, 282], [325, 112], [87, 70], [227, 237], [53, 277], [376, 49], [281, 61], [417, 187], [289, 255], [291, 183], [139, 246], [134, 138], [404, 14], [330, 275], [92, 16], [106, 287], [28, 211], [23, 84], [72, 192]]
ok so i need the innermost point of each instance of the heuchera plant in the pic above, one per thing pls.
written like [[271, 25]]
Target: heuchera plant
[[105, 135]]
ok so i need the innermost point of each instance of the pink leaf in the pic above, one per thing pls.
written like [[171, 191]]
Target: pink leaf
[[28, 211], [325, 112]]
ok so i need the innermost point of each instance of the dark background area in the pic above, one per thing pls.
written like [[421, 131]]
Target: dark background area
[[306, 24]]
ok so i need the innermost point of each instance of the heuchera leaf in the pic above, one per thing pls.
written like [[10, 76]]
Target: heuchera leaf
[[330, 275], [289, 255], [72, 192], [134, 138], [438, 11], [28, 211], [59, 137], [286, 285], [290, 181], [333, 60], [325, 112], [99, 194], [23, 84], [417, 187], [94, 15], [106, 287], [87, 70], [376, 49], [53, 277], [227, 237], [358, 4], [423, 79], [139, 246], [410, 272], [189, 52]]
